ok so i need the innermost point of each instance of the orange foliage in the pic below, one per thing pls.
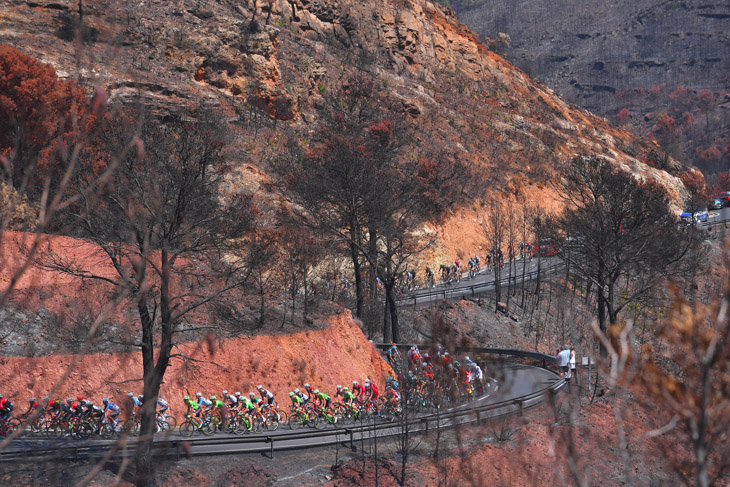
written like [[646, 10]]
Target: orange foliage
[[42, 115]]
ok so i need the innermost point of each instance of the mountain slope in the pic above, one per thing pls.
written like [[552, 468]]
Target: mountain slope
[[462, 97]]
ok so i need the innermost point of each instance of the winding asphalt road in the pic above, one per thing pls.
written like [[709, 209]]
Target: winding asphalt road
[[507, 384]]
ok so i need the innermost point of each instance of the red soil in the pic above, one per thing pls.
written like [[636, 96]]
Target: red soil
[[335, 355]]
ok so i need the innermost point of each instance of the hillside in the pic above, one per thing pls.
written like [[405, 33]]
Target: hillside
[[48, 320], [607, 57], [461, 97]]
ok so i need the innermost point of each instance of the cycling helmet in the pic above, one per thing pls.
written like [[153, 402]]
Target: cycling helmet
[[339, 387], [69, 400], [259, 387], [423, 364], [225, 392], [212, 398], [130, 394], [467, 358], [1, 396], [367, 381], [296, 391], [394, 344], [251, 394], [307, 386], [46, 398], [316, 391], [32, 399], [237, 394], [198, 394], [354, 383], [345, 389], [186, 398], [79, 398], [57, 402], [291, 394], [140, 397], [105, 400]]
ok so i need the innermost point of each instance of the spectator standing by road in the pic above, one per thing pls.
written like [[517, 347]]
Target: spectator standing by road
[[572, 365], [563, 358]]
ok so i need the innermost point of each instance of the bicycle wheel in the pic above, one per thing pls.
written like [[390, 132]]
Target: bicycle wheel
[[171, 421], [187, 428], [54, 431], [208, 428], [107, 431], [131, 426], [244, 424], [272, 421], [295, 421], [14, 424], [314, 421]]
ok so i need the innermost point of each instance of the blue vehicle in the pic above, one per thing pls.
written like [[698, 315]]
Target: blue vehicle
[[694, 216]]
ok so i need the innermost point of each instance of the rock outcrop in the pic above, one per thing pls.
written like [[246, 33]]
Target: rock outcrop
[[281, 56]]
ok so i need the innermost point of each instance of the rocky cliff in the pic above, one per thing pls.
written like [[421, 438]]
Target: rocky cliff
[[277, 58]]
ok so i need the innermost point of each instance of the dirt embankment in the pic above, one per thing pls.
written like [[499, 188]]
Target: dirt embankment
[[324, 358], [33, 359]]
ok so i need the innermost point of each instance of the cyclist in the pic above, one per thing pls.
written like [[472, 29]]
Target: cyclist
[[134, 402], [296, 401], [112, 409], [32, 407], [204, 403], [323, 400], [257, 401], [304, 397], [414, 355], [55, 409], [477, 375], [477, 262], [371, 389], [347, 396], [429, 276], [470, 263], [77, 407], [231, 399], [357, 390], [338, 391], [310, 392], [266, 395], [393, 354], [6, 410], [162, 404], [219, 408], [249, 410], [192, 407]]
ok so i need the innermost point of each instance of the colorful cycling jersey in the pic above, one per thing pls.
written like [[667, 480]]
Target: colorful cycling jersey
[[136, 402], [357, 390], [266, 393], [296, 400], [193, 405], [110, 406], [250, 405], [218, 403], [323, 396], [348, 396], [204, 402], [232, 399]]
